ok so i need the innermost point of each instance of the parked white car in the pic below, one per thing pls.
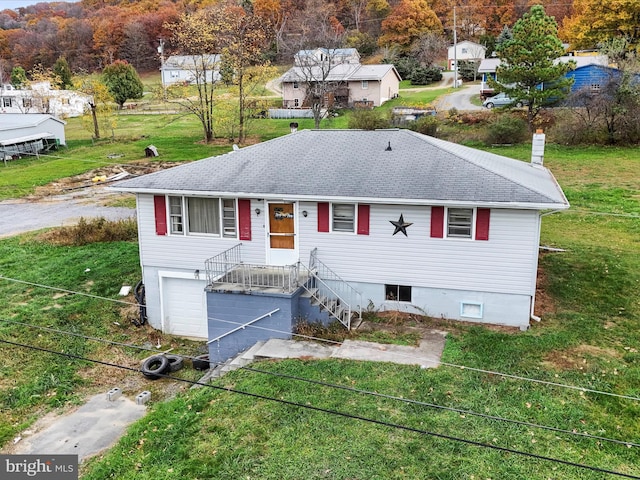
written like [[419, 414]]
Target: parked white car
[[502, 100]]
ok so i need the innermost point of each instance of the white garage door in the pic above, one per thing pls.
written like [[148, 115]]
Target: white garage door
[[184, 307]]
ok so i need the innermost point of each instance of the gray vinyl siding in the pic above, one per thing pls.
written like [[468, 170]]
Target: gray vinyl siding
[[503, 264], [501, 271], [191, 251]]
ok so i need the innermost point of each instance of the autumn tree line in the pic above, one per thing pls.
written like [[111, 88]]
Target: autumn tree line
[[91, 34], [118, 38]]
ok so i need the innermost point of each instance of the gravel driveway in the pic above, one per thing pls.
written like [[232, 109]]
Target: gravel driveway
[[460, 99], [24, 215]]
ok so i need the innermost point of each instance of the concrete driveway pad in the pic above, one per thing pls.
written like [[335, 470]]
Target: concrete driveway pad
[[95, 426]]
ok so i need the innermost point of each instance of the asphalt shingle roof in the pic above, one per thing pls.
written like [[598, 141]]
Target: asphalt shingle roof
[[355, 164]]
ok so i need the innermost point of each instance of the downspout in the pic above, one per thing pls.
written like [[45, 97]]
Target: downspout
[[533, 297]]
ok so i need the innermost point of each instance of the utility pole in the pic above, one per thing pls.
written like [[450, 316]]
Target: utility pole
[[455, 50], [161, 52]]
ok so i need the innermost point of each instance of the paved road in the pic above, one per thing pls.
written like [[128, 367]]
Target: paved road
[[24, 215], [460, 99]]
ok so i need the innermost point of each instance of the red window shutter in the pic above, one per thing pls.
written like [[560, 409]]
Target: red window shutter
[[160, 209], [244, 218], [482, 223], [437, 222], [323, 217], [363, 219]]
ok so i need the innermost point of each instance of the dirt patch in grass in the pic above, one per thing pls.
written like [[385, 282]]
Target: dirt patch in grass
[[403, 321], [86, 180], [250, 140], [578, 358], [545, 304]]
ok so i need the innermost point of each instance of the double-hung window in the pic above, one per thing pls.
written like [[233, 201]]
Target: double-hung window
[[228, 217], [365, 84], [343, 217], [175, 216], [460, 222], [202, 216]]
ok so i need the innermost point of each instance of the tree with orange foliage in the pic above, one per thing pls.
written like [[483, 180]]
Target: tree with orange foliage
[[195, 35], [406, 22], [108, 32], [595, 21], [274, 15], [243, 38]]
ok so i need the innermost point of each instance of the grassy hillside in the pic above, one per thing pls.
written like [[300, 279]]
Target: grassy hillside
[[589, 338]]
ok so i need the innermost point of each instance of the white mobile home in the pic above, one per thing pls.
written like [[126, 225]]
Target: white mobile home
[[29, 134]]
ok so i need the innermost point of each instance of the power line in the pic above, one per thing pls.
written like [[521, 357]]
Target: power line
[[73, 292], [426, 360], [453, 365], [442, 407], [354, 390], [342, 414]]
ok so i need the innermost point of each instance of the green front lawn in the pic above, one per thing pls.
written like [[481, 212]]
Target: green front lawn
[[589, 337]]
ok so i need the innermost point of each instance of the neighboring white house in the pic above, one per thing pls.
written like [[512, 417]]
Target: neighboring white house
[[41, 98], [335, 55], [186, 68], [354, 84], [465, 50], [29, 134], [386, 219]]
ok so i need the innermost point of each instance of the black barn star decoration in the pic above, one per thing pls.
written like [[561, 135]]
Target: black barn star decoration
[[401, 225]]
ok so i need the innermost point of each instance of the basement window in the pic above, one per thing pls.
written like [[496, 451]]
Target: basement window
[[471, 309], [398, 293]]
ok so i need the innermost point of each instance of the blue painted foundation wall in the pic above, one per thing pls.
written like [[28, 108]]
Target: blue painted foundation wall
[[228, 310]]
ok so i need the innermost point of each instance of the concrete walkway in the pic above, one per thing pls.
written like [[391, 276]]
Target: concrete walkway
[[99, 423], [427, 354]]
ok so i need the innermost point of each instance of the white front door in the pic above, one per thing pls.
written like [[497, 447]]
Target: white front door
[[184, 307], [282, 243]]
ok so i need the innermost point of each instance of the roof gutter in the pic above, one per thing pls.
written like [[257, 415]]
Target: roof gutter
[[370, 200]]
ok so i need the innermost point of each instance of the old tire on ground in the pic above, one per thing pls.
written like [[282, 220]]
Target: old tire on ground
[[176, 362], [155, 366], [201, 362]]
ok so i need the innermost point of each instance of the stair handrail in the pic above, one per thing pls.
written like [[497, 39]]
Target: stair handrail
[[322, 271], [228, 259], [243, 326], [335, 295]]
